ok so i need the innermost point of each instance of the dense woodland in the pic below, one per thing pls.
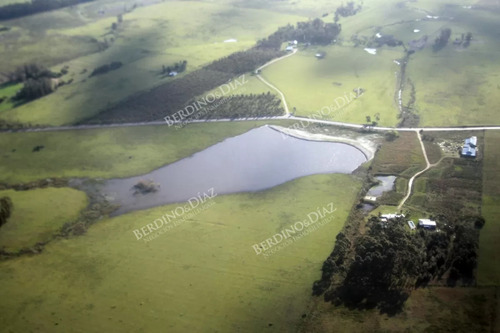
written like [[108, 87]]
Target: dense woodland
[[37, 82], [381, 267], [16, 10], [314, 32], [241, 106]]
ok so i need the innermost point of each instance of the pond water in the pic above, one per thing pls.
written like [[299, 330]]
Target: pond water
[[256, 160], [386, 184]]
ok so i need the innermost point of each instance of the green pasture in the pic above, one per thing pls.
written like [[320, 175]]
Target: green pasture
[[310, 84], [457, 86], [109, 152], [148, 38], [200, 276], [488, 271], [38, 214], [7, 91]]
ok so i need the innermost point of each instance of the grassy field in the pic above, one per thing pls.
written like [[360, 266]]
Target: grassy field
[[140, 43], [459, 86], [32, 220], [310, 84], [488, 271], [202, 275], [427, 310], [107, 153], [402, 156], [7, 91]]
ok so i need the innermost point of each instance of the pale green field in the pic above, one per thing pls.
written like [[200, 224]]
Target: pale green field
[[308, 83], [460, 87], [148, 38], [107, 153], [488, 271], [201, 276], [8, 91], [38, 214]]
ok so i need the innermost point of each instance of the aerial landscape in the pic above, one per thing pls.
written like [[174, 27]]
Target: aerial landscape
[[249, 166]]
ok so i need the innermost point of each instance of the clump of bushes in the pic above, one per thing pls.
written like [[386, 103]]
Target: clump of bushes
[[145, 186], [106, 68]]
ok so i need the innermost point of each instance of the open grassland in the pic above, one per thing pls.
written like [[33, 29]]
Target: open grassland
[[310, 84], [427, 310], [200, 276], [107, 153], [38, 214], [402, 157], [6, 92], [457, 86], [141, 43], [488, 268]]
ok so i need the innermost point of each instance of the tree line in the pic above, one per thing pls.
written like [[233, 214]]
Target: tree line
[[314, 32], [15, 10], [241, 106]]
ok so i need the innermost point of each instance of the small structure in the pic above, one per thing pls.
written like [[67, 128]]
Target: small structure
[[427, 224], [370, 199], [411, 225], [370, 50], [470, 147], [389, 217], [173, 73]]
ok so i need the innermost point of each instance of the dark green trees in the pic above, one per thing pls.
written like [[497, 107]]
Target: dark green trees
[[5, 209]]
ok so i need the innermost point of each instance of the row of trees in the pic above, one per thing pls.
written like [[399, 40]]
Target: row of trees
[[242, 106], [16, 10], [314, 32], [106, 68]]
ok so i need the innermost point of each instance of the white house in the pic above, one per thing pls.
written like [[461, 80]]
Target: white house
[[427, 224], [391, 216]]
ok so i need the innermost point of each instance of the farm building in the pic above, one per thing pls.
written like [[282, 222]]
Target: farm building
[[427, 224], [470, 147], [391, 216]]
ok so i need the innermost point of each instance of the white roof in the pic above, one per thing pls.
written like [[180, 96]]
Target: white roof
[[426, 222], [391, 216]]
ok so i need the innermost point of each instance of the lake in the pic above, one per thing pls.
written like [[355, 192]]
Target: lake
[[256, 160]]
